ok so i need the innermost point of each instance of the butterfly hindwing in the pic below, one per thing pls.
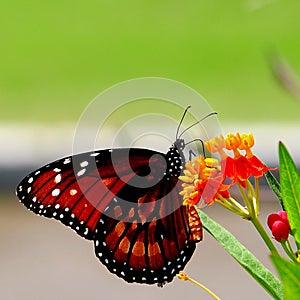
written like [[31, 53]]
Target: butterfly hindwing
[[146, 251]]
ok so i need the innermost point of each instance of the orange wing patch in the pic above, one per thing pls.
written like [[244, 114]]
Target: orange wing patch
[[155, 257], [123, 249], [154, 252], [113, 237], [137, 257]]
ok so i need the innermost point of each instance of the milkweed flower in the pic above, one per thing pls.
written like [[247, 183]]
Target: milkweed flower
[[240, 167], [211, 178]]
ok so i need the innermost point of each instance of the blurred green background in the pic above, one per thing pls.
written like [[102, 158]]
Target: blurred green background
[[56, 56]]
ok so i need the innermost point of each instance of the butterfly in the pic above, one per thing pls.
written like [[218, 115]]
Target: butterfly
[[126, 200]]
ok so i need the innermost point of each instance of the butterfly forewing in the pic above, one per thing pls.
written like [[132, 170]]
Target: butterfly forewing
[[74, 190]]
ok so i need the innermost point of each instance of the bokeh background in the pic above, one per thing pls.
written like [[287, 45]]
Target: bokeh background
[[56, 56]]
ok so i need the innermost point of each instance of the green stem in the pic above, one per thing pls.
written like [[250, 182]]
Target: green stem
[[289, 246], [289, 253], [257, 196], [238, 205], [264, 235], [231, 207], [248, 203]]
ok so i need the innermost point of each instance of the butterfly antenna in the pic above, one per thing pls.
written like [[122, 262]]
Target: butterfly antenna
[[180, 123], [202, 119]]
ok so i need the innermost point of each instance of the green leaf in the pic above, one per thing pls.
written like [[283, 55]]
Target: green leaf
[[290, 276], [290, 188], [275, 186], [243, 256]]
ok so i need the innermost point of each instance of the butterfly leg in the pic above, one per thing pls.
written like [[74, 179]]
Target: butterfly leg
[[191, 154]]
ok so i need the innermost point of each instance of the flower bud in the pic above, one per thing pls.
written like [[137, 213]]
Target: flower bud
[[284, 218], [280, 231], [279, 225]]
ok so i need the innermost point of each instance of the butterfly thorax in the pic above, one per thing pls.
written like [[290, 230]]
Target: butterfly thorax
[[175, 159]]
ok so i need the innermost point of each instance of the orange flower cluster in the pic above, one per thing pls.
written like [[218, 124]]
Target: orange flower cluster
[[202, 178], [205, 177], [240, 167]]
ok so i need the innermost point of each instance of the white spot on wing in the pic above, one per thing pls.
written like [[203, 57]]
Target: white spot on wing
[[73, 192], [57, 178], [55, 192], [94, 154], [56, 170], [81, 172], [84, 164], [67, 161]]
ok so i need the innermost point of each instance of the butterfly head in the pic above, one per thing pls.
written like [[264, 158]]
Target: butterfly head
[[179, 144]]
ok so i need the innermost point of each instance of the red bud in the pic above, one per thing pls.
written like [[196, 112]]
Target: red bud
[[273, 218], [280, 231], [284, 218], [279, 225]]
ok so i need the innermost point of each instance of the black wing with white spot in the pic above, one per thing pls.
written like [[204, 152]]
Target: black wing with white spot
[[76, 190]]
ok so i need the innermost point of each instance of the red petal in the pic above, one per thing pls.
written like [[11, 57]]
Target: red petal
[[258, 168], [242, 168], [214, 186], [228, 167]]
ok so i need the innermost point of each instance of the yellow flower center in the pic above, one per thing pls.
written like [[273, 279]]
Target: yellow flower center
[[216, 145], [196, 174], [247, 142], [233, 143]]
